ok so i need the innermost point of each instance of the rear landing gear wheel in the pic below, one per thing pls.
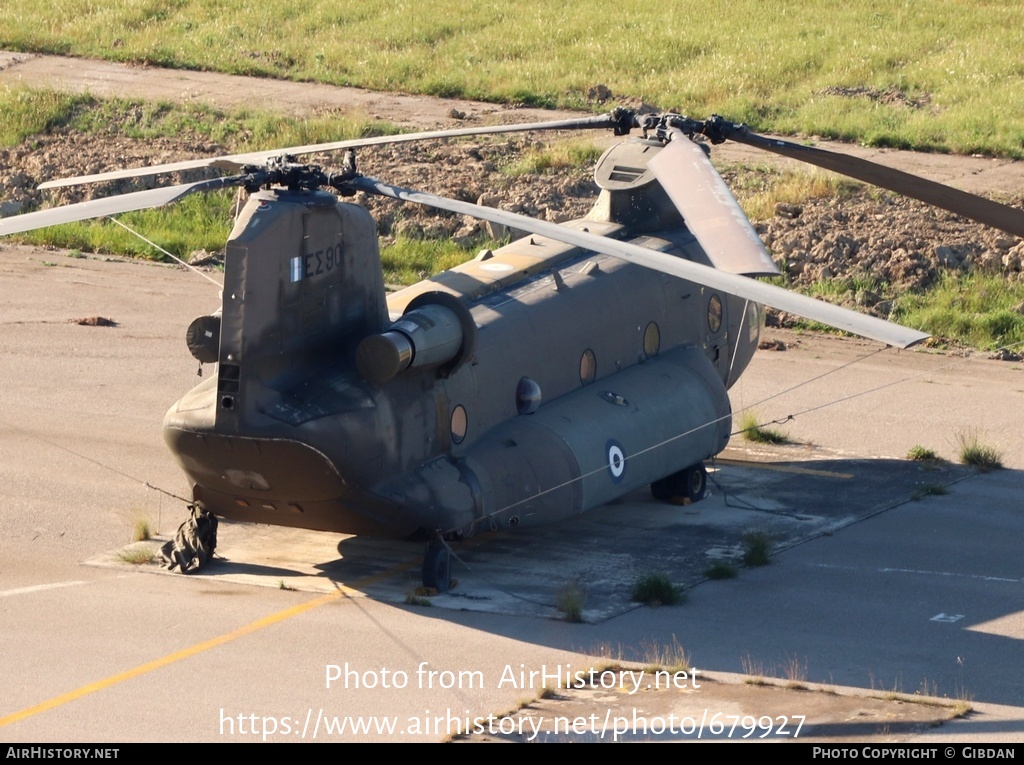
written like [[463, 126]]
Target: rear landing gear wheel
[[437, 567], [688, 485], [692, 483]]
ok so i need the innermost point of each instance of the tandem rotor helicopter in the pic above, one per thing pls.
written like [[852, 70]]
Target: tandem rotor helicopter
[[528, 385]]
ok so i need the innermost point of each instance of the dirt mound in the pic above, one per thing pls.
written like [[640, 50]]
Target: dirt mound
[[67, 153], [881, 244]]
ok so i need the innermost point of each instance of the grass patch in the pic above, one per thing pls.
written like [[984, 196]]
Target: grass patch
[[962, 709], [415, 599], [721, 570], [757, 549], [754, 670], [927, 695], [549, 159], [793, 189], [570, 602], [920, 453], [138, 555], [653, 656], [25, 112], [933, 490], [760, 434], [840, 288], [880, 74], [201, 221], [239, 131], [978, 310], [657, 590], [141, 531], [796, 673], [662, 657], [973, 452], [610, 657]]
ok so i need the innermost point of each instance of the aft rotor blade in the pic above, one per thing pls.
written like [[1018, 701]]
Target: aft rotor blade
[[734, 284], [235, 162], [98, 208], [971, 206], [710, 210]]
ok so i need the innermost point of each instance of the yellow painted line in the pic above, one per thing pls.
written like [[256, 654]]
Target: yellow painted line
[[785, 468], [198, 648]]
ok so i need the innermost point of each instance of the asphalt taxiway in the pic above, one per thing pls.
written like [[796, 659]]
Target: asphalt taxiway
[[889, 575]]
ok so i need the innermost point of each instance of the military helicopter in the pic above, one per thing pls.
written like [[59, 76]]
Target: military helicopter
[[528, 385]]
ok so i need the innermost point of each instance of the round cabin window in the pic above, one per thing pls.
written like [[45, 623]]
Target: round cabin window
[[459, 423], [652, 340], [588, 367], [715, 313]]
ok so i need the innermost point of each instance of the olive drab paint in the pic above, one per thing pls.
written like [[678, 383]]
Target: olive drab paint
[[568, 368]]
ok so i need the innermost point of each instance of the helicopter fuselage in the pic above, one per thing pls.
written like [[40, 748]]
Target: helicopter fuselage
[[530, 384]]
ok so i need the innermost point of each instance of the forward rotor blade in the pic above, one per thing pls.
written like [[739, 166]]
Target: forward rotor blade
[[1003, 217], [98, 208], [710, 210], [741, 286], [235, 162]]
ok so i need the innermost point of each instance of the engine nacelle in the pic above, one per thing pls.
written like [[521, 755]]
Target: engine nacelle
[[433, 332]]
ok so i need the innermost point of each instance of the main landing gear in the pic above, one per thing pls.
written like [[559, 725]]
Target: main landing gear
[[689, 484], [437, 566]]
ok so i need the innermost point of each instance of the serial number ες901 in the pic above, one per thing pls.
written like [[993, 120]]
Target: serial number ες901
[[321, 262]]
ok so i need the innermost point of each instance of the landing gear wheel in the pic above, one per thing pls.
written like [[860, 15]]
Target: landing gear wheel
[[692, 483], [686, 486], [437, 567]]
